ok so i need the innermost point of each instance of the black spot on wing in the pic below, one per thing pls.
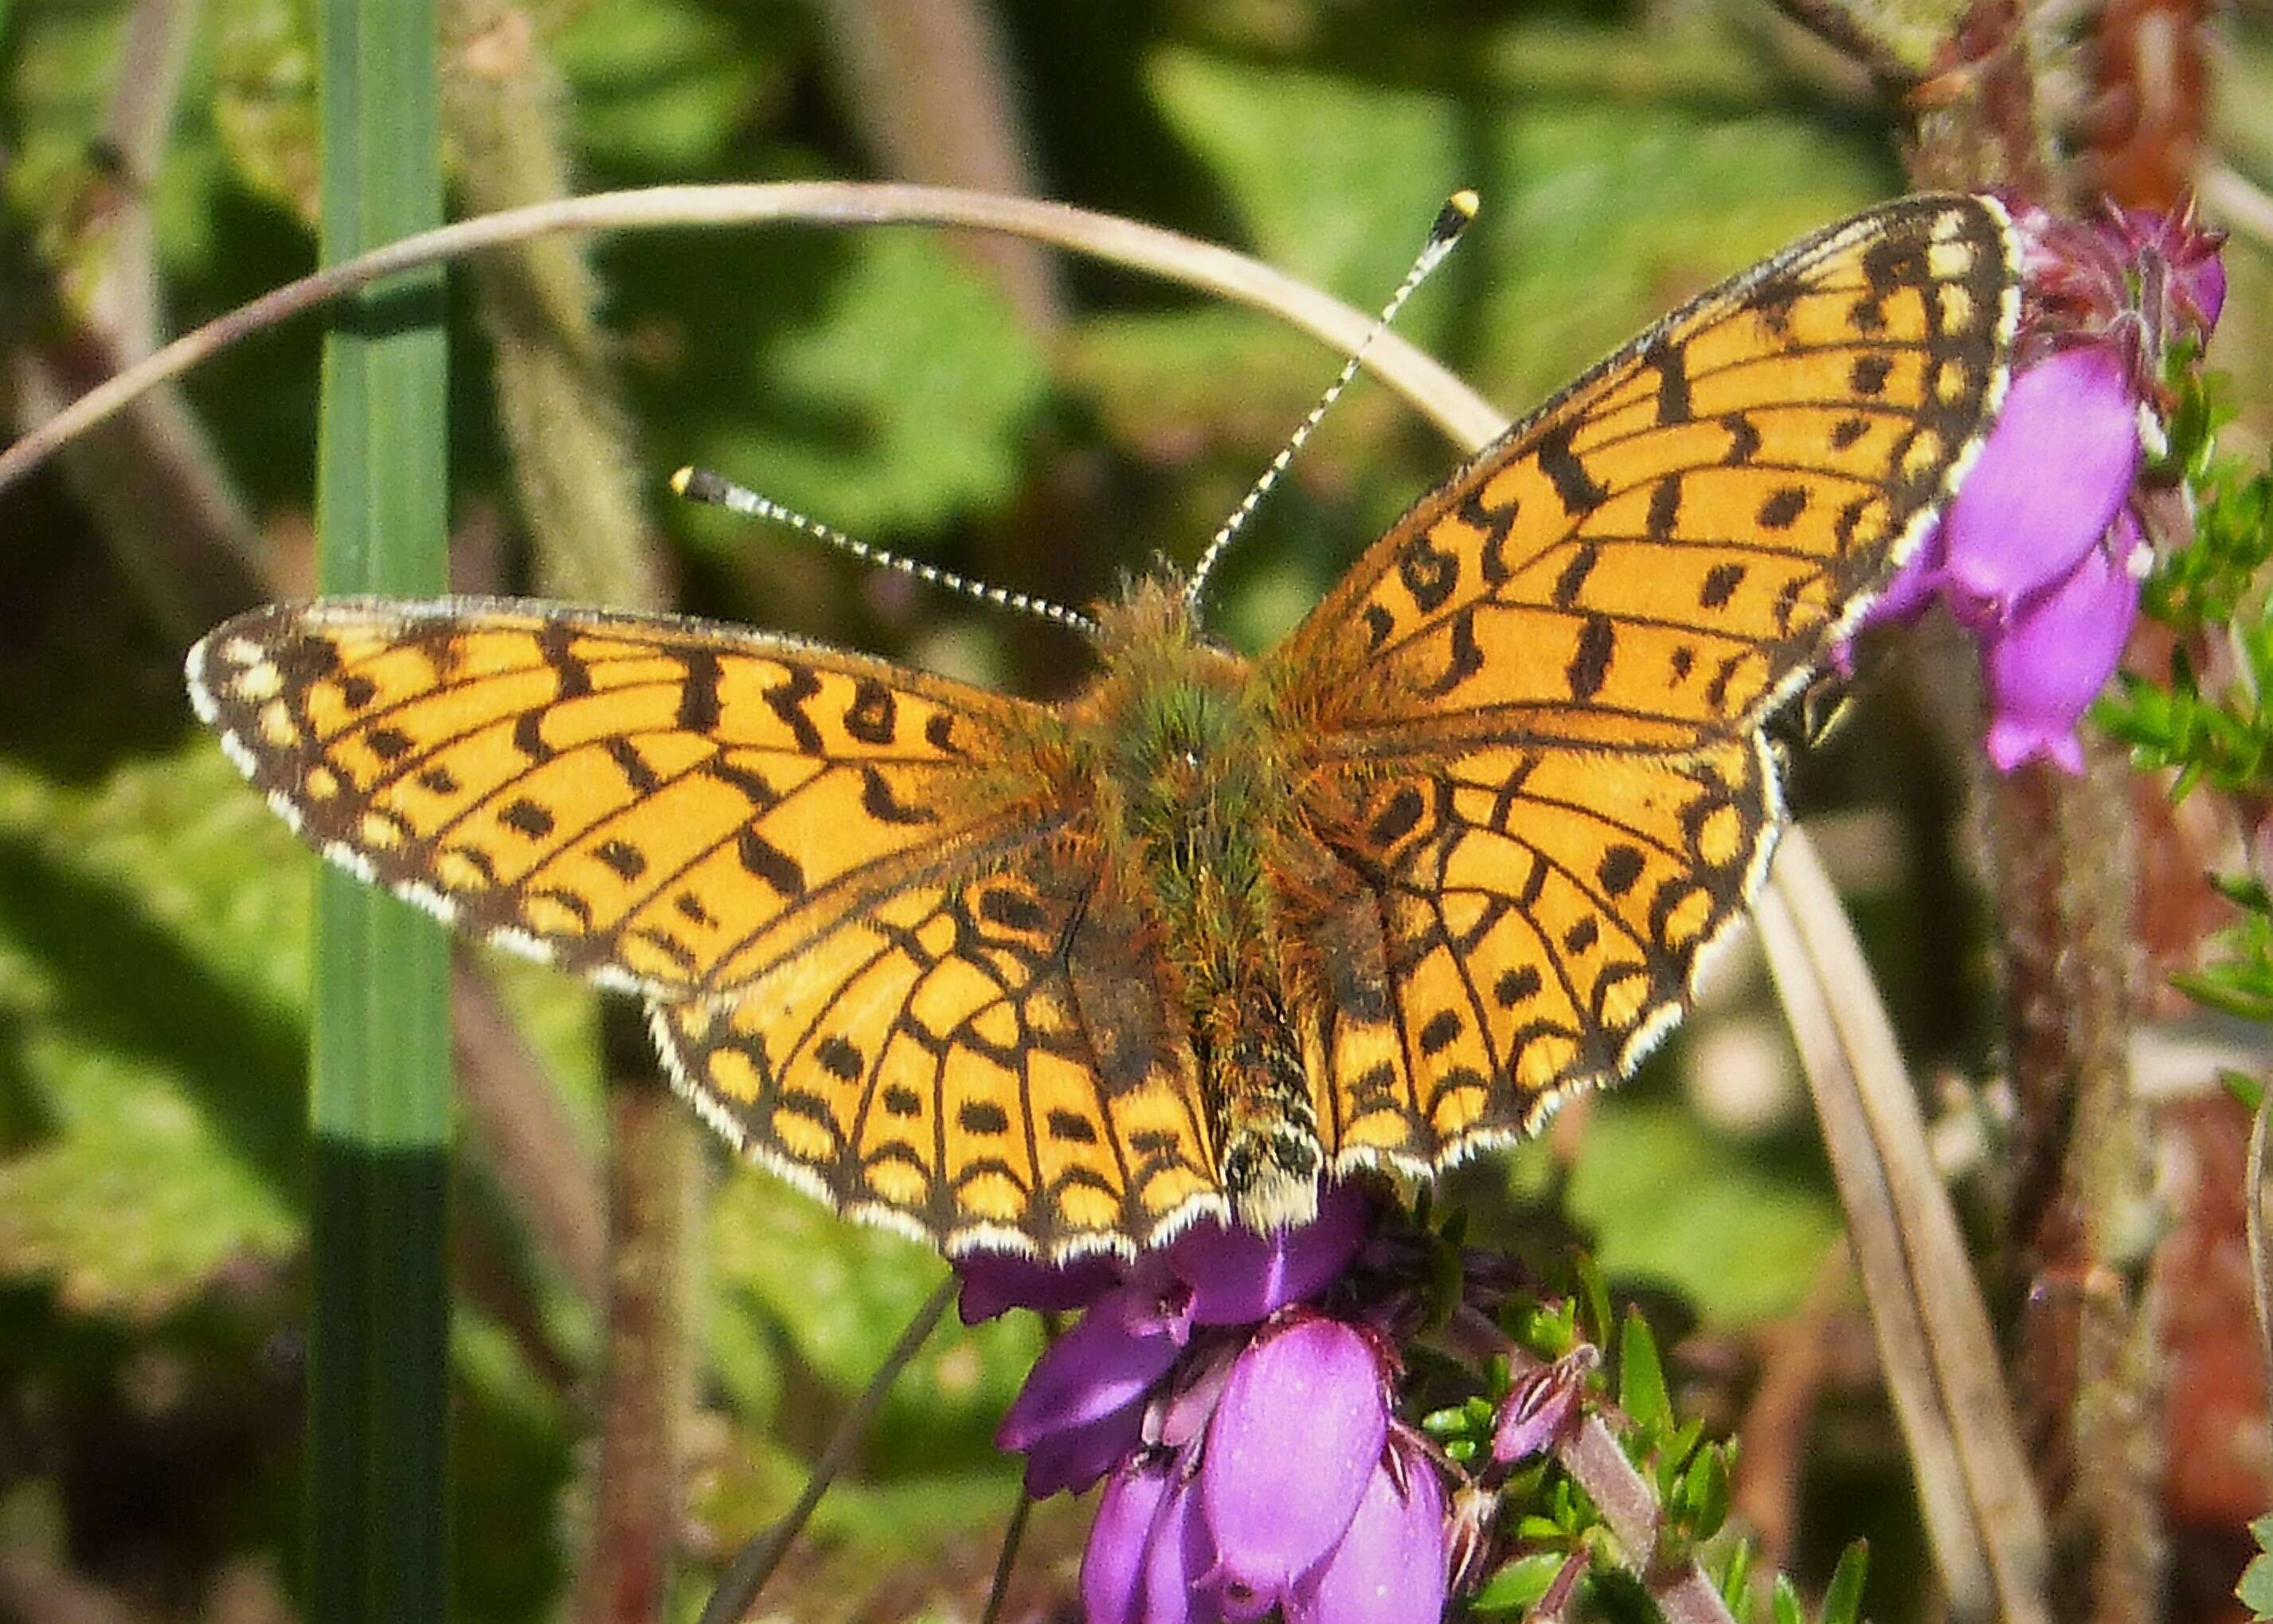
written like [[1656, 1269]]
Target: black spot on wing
[[1782, 507], [623, 857], [787, 700], [1430, 575], [782, 874], [1573, 578], [872, 717], [877, 800], [698, 692], [1720, 585], [1672, 382], [1590, 664], [526, 817], [1575, 488]]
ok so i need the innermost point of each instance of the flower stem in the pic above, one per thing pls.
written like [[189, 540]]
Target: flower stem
[[2086, 1355]]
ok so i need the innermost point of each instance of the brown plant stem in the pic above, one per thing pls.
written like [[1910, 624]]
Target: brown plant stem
[[928, 82], [574, 461], [2081, 1220], [648, 1379]]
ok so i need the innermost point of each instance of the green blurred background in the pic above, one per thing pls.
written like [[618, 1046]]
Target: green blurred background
[[1041, 423]]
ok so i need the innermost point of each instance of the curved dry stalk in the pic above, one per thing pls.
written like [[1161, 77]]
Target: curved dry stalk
[[754, 1563], [1458, 410], [1933, 1333]]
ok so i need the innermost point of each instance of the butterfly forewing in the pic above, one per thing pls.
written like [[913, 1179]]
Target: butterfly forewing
[[1656, 556], [670, 805], [1545, 768]]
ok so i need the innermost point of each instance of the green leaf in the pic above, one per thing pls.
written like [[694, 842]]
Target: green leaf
[[1736, 1578], [1842, 1598], [2249, 1091], [661, 86], [1519, 1584], [152, 1019], [1594, 1298], [1704, 1492], [1669, 1198], [2255, 1590], [1787, 1607], [1641, 1380], [380, 1079], [897, 404]]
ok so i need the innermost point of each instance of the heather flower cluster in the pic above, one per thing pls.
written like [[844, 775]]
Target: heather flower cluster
[[2041, 553], [1237, 1401], [1253, 1408]]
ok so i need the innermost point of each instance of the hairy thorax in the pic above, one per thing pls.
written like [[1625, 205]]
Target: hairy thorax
[[1195, 810]]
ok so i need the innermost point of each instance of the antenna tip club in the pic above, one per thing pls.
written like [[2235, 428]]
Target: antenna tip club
[[1453, 218], [699, 485]]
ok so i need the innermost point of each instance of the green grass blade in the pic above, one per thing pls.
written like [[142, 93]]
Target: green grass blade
[[381, 1084]]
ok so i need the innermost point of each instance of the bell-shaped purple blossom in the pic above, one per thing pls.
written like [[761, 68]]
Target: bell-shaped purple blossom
[[2054, 473], [1542, 1405], [2036, 551], [1388, 1566], [2048, 662], [1296, 1437], [1238, 1277], [994, 1282], [1147, 1550], [1082, 1406], [1120, 1541]]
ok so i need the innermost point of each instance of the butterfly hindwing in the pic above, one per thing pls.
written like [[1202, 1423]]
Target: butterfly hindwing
[[943, 1063], [1538, 913], [666, 805]]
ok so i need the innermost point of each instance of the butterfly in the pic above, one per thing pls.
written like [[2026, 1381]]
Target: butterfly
[[1061, 979]]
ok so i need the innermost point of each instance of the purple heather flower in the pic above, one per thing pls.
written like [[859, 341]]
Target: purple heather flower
[[1119, 1539], [2037, 551], [994, 1281], [2046, 664], [1241, 1431], [1082, 1406], [1146, 1550], [1298, 1433], [1542, 1405], [1237, 1276], [2051, 477], [1389, 1567]]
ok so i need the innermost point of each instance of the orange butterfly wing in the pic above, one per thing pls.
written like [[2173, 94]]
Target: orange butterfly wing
[[1538, 697], [873, 961], [668, 805]]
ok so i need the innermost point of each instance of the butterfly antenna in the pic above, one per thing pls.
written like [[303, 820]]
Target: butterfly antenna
[[699, 485], [1452, 219]]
